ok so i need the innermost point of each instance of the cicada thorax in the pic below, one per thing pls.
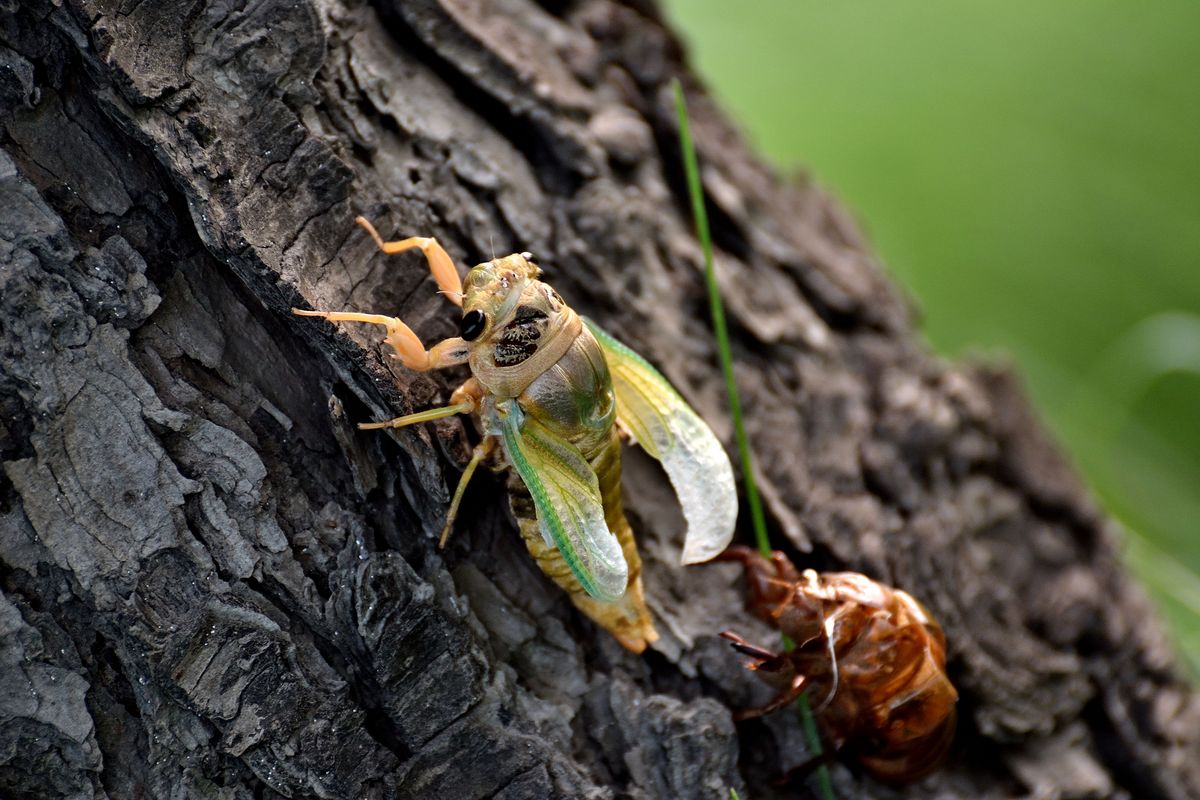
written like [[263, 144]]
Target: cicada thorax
[[535, 349], [872, 660], [520, 337]]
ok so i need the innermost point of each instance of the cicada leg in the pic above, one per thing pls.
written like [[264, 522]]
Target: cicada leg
[[440, 264], [782, 700], [481, 451], [465, 400], [763, 660], [420, 416], [759, 654], [407, 347]]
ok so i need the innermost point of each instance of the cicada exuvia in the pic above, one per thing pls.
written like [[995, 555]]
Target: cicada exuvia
[[871, 658], [553, 393]]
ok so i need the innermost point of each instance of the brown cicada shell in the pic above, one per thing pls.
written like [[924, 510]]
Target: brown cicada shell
[[870, 657]]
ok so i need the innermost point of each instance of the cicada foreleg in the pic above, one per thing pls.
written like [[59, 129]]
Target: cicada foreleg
[[763, 660], [440, 264], [407, 348]]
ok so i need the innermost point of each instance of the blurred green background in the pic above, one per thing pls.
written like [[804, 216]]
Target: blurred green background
[[1030, 171]]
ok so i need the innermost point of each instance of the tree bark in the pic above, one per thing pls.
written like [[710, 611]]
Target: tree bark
[[214, 586]]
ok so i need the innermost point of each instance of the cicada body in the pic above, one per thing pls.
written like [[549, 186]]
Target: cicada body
[[870, 657], [552, 392]]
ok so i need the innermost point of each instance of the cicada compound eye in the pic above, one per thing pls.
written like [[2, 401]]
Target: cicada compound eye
[[473, 323]]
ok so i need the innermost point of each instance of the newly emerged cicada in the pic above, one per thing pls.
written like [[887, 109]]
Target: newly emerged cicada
[[870, 657], [552, 390]]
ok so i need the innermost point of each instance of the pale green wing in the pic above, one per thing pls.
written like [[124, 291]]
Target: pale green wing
[[668, 429], [567, 498]]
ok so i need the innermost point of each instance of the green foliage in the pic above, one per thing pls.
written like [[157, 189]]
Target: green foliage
[[1029, 171]]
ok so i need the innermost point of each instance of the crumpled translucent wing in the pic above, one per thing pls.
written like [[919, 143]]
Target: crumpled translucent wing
[[668, 429], [569, 509]]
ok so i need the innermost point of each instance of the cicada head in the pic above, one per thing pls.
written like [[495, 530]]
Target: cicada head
[[489, 284], [803, 616], [508, 309]]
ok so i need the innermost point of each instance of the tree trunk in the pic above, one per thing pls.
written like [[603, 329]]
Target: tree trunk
[[215, 586]]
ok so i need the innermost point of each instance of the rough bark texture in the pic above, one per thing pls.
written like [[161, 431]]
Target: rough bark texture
[[214, 586]]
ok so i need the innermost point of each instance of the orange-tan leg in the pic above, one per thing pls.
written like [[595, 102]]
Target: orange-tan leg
[[440, 263], [408, 348], [470, 390]]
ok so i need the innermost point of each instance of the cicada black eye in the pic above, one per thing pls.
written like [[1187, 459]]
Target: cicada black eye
[[473, 323]]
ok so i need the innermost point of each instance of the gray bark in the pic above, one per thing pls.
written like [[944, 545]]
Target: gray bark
[[214, 586]]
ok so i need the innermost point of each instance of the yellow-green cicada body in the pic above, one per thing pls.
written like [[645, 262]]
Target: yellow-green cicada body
[[553, 392]]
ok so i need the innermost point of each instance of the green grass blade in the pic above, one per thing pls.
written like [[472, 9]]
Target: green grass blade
[[809, 723], [692, 169], [719, 328]]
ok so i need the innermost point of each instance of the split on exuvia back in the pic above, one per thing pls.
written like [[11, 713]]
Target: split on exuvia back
[[554, 394]]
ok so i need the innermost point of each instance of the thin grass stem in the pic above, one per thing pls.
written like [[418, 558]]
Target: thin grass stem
[[721, 331], [719, 327]]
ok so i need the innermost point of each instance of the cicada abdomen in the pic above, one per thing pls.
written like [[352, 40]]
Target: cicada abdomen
[[870, 657]]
